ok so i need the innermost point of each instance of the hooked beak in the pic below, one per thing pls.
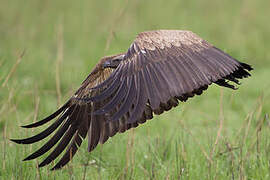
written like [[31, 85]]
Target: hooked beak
[[107, 64], [113, 63]]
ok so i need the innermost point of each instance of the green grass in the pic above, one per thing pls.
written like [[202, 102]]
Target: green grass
[[179, 144]]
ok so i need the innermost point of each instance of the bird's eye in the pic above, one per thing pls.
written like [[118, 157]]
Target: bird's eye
[[116, 60]]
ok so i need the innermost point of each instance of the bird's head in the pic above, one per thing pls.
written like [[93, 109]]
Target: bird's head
[[113, 61]]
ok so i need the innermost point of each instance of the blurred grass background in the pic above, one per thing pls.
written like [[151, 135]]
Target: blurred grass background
[[222, 134]]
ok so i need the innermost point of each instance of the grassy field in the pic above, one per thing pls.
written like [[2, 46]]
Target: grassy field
[[222, 134]]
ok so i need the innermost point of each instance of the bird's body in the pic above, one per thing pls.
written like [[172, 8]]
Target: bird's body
[[159, 69]]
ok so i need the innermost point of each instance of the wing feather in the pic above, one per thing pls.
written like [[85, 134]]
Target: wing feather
[[121, 93], [73, 123], [66, 138], [107, 92], [160, 84], [182, 74], [47, 119], [47, 146], [76, 141], [140, 99], [191, 63], [126, 105], [151, 92], [46, 132], [170, 65], [95, 128], [171, 78]]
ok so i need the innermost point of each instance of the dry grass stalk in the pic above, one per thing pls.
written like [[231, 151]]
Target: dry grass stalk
[[38, 170], [114, 25], [109, 39], [84, 170], [229, 148], [245, 125], [36, 108], [226, 151], [221, 119], [180, 152], [146, 173], [153, 171], [6, 108], [70, 167], [59, 60], [1, 63], [35, 114], [197, 142], [248, 119], [129, 154], [4, 147], [13, 69], [241, 164], [258, 128], [259, 125], [259, 108]]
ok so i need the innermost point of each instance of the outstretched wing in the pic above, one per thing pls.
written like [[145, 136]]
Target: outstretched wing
[[74, 121], [162, 67]]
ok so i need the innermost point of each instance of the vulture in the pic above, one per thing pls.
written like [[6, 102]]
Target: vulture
[[159, 69]]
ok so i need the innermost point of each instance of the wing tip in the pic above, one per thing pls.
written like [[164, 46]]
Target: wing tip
[[29, 125], [50, 117], [42, 164], [56, 167], [31, 156], [247, 66], [224, 83], [18, 141], [27, 158], [22, 141]]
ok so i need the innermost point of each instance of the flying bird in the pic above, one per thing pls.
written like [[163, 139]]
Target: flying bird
[[159, 69]]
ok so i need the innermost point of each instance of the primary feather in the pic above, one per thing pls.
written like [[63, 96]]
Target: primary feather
[[159, 69]]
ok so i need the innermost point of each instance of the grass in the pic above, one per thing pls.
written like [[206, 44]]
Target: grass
[[222, 134]]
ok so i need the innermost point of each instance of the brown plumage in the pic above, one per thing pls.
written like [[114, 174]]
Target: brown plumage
[[159, 69]]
